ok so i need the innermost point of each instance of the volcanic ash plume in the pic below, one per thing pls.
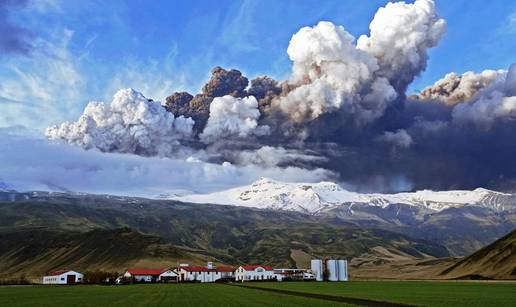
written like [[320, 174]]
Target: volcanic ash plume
[[330, 73], [497, 101], [399, 138], [222, 82], [130, 124], [400, 36], [453, 88], [232, 117]]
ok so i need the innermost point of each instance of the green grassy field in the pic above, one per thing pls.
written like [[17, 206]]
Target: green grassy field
[[406, 292], [149, 295], [412, 292]]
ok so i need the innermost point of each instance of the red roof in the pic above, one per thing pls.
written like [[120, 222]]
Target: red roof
[[225, 269], [146, 271], [55, 273], [194, 268], [253, 267]]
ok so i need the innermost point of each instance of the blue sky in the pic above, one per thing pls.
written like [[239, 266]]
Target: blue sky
[[86, 50]]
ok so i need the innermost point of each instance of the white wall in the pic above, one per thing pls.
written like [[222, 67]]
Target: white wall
[[258, 273], [61, 279], [200, 276]]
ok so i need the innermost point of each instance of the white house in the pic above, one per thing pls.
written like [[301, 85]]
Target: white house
[[254, 272], [208, 273], [168, 275], [62, 278], [151, 275]]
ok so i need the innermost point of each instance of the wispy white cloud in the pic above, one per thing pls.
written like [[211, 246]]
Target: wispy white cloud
[[511, 22], [48, 80], [507, 27]]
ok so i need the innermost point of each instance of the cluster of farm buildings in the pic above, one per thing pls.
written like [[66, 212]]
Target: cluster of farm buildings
[[331, 270]]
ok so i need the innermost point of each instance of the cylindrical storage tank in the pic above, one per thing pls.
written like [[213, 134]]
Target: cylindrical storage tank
[[316, 265], [343, 270], [332, 270]]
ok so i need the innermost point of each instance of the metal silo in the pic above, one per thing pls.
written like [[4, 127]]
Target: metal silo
[[342, 270], [317, 269], [332, 267]]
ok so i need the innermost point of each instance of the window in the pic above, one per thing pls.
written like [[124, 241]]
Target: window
[[62, 278]]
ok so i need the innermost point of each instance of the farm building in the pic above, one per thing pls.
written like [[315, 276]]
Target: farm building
[[151, 275], [254, 272], [209, 273], [62, 278]]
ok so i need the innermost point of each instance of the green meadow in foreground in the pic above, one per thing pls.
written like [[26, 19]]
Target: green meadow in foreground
[[427, 293], [405, 292], [149, 295]]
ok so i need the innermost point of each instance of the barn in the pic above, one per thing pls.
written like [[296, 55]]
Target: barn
[[63, 277]]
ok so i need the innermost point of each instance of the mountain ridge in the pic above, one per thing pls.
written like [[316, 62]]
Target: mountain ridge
[[324, 196]]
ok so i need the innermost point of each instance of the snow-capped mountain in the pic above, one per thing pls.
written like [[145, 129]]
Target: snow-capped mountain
[[323, 196]]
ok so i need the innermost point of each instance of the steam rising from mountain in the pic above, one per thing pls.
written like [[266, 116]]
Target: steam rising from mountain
[[342, 109], [130, 124], [232, 117], [400, 36]]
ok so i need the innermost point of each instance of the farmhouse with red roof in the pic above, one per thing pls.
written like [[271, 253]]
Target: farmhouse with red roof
[[151, 275], [209, 273]]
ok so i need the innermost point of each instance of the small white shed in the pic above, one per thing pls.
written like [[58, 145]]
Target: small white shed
[[63, 277]]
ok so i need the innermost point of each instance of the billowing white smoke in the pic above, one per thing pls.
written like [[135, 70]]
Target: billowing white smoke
[[232, 117], [130, 124], [400, 36], [497, 101], [330, 73], [453, 88]]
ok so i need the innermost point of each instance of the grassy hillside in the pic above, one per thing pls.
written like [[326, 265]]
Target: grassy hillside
[[33, 252], [45, 234], [497, 260]]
